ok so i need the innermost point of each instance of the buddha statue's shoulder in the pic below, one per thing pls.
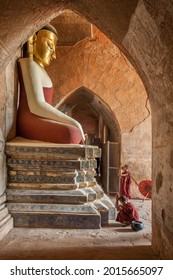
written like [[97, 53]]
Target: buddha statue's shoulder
[[27, 62], [30, 67]]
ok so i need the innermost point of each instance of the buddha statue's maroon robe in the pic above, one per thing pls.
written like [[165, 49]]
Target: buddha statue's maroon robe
[[31, 126]]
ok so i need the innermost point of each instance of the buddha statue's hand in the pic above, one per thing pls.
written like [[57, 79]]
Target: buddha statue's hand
[[81, 130], [78, 125]]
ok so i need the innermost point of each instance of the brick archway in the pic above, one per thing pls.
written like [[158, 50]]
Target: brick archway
[[84, 96]]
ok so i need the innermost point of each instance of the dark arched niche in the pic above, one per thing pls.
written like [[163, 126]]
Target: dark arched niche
[[102, 128], [83, 103]]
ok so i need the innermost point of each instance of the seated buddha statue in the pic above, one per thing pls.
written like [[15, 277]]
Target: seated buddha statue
[[37, 119]]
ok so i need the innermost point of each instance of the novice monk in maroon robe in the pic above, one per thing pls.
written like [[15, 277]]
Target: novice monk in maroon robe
[[125, 182], [127, 211]]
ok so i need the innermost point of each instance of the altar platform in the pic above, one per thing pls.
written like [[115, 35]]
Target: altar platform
[[54, 186]]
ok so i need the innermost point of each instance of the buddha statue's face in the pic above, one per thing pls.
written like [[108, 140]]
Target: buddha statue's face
[[44, 47]]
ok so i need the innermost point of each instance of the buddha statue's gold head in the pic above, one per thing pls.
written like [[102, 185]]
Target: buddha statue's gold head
[[44, 44]]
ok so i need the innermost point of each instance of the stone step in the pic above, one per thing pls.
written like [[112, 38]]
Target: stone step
[[41, 177], [103, 210], [2, 198], [54, 216], [5, 219], [77, 196], [108, 202], [98, 190], [2, 206], [91, 194], [3, 213], [46, 196], [5, 226], [44, 186], [27, 149], [47, 165]]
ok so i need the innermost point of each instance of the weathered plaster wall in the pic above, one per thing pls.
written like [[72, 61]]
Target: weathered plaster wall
[[152, 49], [11, 96], [136, 152], [8, 105], [2, 133]]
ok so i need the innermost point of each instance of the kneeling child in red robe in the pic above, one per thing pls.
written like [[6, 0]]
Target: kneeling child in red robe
[[127, 211]]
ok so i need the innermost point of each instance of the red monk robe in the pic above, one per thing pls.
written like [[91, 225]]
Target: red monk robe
[[128, 213], [31, 126], [125, 184]]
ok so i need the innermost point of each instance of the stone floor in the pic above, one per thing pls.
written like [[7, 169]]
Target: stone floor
[[114, 241]]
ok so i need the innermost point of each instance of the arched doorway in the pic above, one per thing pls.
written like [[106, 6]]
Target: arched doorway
[[102, 129]]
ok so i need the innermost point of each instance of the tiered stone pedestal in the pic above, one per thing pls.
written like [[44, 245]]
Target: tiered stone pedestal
[[53, 185], [6, 221]]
